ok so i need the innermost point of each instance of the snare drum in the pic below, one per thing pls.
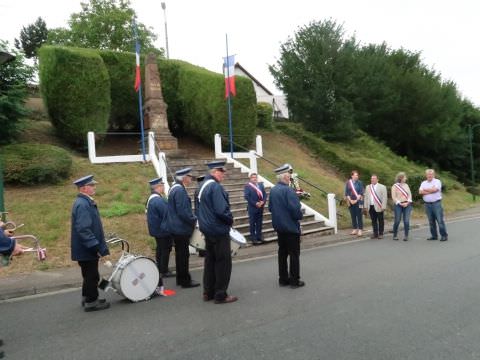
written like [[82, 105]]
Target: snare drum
[[135, 277], [237, 240], [197, 240]]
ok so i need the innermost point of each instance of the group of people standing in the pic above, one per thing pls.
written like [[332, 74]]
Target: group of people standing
[[373, 199], [171, 221]]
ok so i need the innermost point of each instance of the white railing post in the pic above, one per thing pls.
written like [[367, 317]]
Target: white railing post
[[163, 170], [332, 211], [253, 162], [259, 145], [151, 143], [91, 146], [218, 146]]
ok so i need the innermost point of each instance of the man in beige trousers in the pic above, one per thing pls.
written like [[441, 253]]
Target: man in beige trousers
[[375, 202]]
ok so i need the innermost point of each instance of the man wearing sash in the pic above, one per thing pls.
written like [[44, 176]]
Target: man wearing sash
[[402, 198], [215, 220], [181, 223], [354, 198], [375, 204], [254, 193], [431, 189], [156, 209]]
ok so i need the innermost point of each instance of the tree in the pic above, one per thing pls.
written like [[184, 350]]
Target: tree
[[104, 24], [14, 76], [32, 37], [314, 71]]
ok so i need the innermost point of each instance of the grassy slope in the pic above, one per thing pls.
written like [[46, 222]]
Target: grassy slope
[[123, 189]]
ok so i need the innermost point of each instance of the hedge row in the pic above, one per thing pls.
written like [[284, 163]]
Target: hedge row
[[265, 115], [76, 91], [89, 90]]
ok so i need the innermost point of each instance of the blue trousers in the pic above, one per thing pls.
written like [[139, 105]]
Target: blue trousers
[[255, 219], [435, 215], [356, 214], [400, 212]]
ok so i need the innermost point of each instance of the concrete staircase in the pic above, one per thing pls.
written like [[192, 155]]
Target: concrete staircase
[[234, 183]]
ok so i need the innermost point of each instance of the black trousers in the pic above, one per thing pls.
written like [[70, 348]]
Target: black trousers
[[377, 221], [255, 219], [182, 256], [288, 249], [217, 266], [162, 255], [91, 277]]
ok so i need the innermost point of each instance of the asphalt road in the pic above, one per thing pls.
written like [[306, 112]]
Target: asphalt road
[[373, 299]]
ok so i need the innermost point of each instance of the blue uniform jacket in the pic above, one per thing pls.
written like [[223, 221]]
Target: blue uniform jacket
[[6, 244], [157, 216], [285, 208], [87, 238], [250, 194], [214, 215], [180, 218], [358, 185]]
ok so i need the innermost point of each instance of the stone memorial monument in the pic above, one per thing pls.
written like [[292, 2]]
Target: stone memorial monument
[[155, 116]]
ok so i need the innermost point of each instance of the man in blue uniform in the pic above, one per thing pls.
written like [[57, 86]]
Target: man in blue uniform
[[254, 193], [215, 220], [181, 223], [88, 242], [286, 215], [156, 209]]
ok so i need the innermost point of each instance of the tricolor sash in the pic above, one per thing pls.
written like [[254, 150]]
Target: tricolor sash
[[402, 190], [256, 188], [352, 187], [375, 196]]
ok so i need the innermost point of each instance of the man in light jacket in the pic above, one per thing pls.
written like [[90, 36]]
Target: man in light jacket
[[375, 202]]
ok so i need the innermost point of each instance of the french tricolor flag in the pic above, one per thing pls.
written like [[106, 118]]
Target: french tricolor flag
[[229, 71], [138, 78]]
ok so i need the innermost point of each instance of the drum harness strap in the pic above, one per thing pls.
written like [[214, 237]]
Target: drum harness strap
[[148, 201], [209, 181]]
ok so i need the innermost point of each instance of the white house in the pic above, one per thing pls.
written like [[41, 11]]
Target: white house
[[278, 102]]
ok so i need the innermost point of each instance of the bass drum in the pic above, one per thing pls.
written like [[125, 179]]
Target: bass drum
[[135, 277], [197, 240], [237, 240]]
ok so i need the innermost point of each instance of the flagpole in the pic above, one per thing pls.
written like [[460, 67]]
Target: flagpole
[[140, 105], [230, 128]]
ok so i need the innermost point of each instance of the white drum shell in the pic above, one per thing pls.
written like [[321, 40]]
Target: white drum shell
[[237, 240], [135, 277], [197, 240]]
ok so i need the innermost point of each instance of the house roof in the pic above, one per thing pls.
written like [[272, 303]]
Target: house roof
[[237, 65]]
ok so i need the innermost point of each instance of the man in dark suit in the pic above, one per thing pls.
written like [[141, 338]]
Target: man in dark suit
[[88, 242], [254, 193]]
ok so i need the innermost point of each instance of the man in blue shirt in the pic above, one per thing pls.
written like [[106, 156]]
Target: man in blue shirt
[[215, 220], [254, 193], [88, 242], [286, 215], [156, 209], [181, 223]]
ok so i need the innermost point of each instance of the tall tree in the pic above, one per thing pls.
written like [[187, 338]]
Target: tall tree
[[32, 37], [103, 24]]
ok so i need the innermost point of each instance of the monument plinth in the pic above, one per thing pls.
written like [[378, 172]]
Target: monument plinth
[[155, 108]]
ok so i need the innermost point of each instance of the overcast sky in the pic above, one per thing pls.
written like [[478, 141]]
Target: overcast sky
[[446, 32]]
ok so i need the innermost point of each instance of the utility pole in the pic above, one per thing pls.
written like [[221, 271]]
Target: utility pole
[[164, 7]]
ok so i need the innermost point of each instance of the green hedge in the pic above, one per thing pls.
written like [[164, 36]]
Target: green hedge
[[124, 113], [196, 102], [75, 86], [265, 115], [35, 163]]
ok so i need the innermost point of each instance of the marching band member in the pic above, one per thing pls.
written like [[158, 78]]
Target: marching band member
[[254, 193], [285, 207], [181, 223], [215, 220], [156, 209], [376, 203], [88, 242]]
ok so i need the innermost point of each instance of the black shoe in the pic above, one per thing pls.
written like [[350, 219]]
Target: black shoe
[[192, 284], [405, 239], [228, 299], [395, 238], [101, 301], [297, 284], [257, 242], [207, 297], [168, 274], [283, 283], [96, 306], [432, 238], [444, 238]]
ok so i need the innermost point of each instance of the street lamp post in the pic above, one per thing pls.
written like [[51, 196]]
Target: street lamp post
[[164, 7], [470, 142]]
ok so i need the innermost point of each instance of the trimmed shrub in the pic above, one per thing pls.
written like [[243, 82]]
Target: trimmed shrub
[[196, 102], [35, 164], [265, 115], [76, 91], [124, 113]]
